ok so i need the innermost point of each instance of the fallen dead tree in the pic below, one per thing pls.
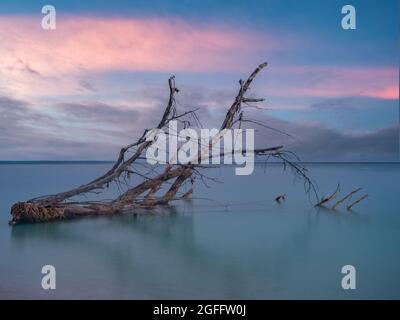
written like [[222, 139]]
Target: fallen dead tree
[[348, 196], [146, 193]]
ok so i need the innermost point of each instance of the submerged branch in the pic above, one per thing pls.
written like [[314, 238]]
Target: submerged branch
[[357, 201], [348, 196], [144, 194], [329, 197]]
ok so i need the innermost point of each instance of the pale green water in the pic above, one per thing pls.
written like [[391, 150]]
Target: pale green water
[[253, 248]]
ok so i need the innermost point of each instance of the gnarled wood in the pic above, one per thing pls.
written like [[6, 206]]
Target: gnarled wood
[[144, 194]]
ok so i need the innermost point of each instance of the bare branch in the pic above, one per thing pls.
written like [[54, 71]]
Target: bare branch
[[329, 197], [348, 196], [357, 201]]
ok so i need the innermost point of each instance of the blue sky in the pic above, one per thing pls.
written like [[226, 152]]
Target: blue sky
[[112, 59]]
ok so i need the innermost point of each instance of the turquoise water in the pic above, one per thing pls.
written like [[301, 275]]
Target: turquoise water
[[245, 245]]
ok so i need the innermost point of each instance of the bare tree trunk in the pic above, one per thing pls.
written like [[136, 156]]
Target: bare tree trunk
[[143, 195]]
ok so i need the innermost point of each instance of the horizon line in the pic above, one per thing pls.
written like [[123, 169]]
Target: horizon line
[[113, 161]]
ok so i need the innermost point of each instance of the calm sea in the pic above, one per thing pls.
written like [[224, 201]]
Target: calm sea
[[231, 241]]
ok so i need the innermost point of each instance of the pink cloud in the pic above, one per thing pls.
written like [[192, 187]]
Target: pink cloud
[[37, 62], [329, 82], [102, 44], [390, 92]]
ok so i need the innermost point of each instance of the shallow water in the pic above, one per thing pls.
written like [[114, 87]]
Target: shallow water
[[243, 245]]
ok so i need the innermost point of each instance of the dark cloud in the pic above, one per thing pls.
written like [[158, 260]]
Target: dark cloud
[[98, 112], [6, 103], [98, 130], [87, 85], [14, 113], [26, 67], [316, 143], [26, 134]]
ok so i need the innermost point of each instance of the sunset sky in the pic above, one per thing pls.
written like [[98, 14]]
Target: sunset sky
[[82, 91]]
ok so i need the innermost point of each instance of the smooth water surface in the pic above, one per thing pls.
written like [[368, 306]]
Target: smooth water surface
[[242, 245]]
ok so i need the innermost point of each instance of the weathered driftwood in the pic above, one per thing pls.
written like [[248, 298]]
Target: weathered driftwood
[[348, 196], [144, 195], [351, 205], [280, 197], [328, 197]]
